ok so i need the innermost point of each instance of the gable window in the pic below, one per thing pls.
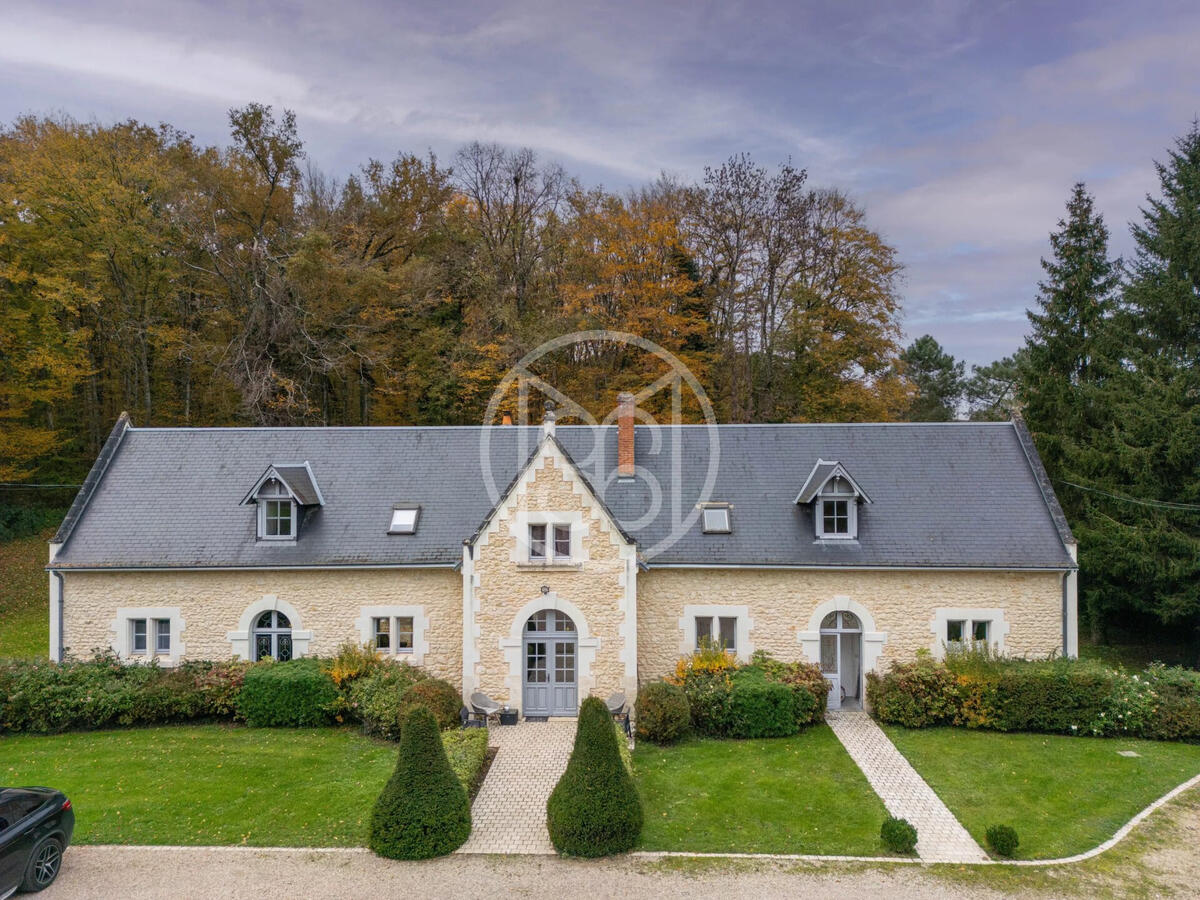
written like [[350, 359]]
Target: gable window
[[278, 520], [716, 520], [393, 634], [404, 520], [837, 510], [717, 632], [549, 542]]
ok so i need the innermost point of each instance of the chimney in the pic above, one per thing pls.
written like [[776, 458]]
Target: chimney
[[625, 409], [548, 419], [507, 420]]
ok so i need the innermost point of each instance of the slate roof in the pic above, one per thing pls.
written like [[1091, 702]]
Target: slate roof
[[944, 495], [298, 479]]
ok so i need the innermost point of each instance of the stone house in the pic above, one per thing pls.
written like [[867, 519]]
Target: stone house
[[543, 564]]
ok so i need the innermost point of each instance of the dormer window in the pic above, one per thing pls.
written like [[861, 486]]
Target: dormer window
[[835, 497], [715, 519], [278, 520], [280, 494]]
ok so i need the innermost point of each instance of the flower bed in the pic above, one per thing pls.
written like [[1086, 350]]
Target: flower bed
[[1055, 696]]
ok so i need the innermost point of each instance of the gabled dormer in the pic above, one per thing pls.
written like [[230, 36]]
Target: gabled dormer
[[835, 497], [281, 495]]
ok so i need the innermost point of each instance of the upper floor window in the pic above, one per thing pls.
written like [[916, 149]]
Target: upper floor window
[[278, 519], [837, 510], [549, 542], [716, 519]]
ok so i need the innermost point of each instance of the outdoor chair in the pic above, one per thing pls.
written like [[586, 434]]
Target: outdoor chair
[[620, 712], [482, 706]]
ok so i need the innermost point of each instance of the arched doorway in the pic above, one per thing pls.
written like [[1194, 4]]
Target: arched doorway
[[550, 684], [272, 636], [841, 658]]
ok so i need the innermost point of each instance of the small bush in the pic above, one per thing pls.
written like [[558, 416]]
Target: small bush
[[594, 809], [809, 686], [423, 810], [288, 694], [898, 835], [1003, 839], [375, 699], [440, 697], [759, 708], [915, 695], [662, 713], [466, 749], [706, 679], [354, 661], [1177, 717]]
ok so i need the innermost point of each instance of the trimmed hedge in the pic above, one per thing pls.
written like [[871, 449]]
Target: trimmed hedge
[[466, 749], [375, 699], [423, 810], [898, 835], [759, 708], [663, 714], [594, 809], [289, 694], [47, 698], [1058, 696], [439, 697]]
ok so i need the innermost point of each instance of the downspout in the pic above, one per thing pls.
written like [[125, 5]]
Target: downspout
[[468, 624], [56, 608]]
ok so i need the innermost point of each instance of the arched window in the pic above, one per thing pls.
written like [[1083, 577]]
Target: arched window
[[273, 636]]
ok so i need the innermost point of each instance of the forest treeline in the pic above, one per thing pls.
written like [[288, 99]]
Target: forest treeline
[[200, 285]]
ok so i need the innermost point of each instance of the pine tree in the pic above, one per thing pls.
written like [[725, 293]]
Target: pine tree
[[1063, 354], [938, 378], [1140, 549]]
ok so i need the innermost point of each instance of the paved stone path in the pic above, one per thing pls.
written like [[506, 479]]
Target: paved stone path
[[940, 836], [509, 812]]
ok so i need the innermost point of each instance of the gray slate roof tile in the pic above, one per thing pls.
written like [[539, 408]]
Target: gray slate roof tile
[[946, 495]]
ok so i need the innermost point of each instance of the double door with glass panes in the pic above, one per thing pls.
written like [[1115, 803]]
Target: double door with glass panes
[[551, 666], [841, 658]]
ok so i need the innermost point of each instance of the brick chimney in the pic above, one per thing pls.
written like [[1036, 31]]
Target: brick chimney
[[625, 409]]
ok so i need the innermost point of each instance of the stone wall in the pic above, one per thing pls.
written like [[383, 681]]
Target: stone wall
[[212, 603], [591, 587], [902, 604]]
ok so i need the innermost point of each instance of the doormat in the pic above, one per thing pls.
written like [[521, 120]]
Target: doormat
[[537, 718]]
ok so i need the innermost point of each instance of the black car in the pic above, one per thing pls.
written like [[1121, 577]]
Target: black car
[[35, 828]]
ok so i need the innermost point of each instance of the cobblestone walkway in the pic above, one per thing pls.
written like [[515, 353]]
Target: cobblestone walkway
[[940, 836], [509, 812]]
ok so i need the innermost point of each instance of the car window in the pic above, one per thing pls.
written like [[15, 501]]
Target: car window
[[14, 809]]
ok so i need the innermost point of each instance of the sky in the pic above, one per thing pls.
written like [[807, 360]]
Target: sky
[[960, 126]]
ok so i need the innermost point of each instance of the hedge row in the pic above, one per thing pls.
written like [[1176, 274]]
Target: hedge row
[[356, 686], [718, 697], [1058, 696]]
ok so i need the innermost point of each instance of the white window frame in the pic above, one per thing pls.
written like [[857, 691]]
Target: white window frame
[[998, 628], [524, 521], [420, 630], [122, 634], [241, 641], [714, 632], [723, 508], [262, 519], [744, 648], [393, 630], [851, 517]]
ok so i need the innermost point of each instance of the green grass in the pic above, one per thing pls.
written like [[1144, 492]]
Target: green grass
[[799, 794], [24, 598], [1138, 656], [1063, 795], [216, 784]]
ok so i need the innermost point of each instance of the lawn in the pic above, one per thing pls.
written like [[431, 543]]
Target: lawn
[[799, 794], [24, 595], [210, 784], [1063, 795]]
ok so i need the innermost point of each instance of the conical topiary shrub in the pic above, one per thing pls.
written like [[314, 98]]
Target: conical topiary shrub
[[594, 809], [423, 810]]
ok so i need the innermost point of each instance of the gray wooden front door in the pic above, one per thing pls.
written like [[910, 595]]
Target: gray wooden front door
[[551, 669]]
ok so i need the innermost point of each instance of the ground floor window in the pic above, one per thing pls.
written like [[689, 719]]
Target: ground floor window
[[393, 634], [963, 628], [273, 636], [146, 632], [962, 631], [716, 631], [143, 629]]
